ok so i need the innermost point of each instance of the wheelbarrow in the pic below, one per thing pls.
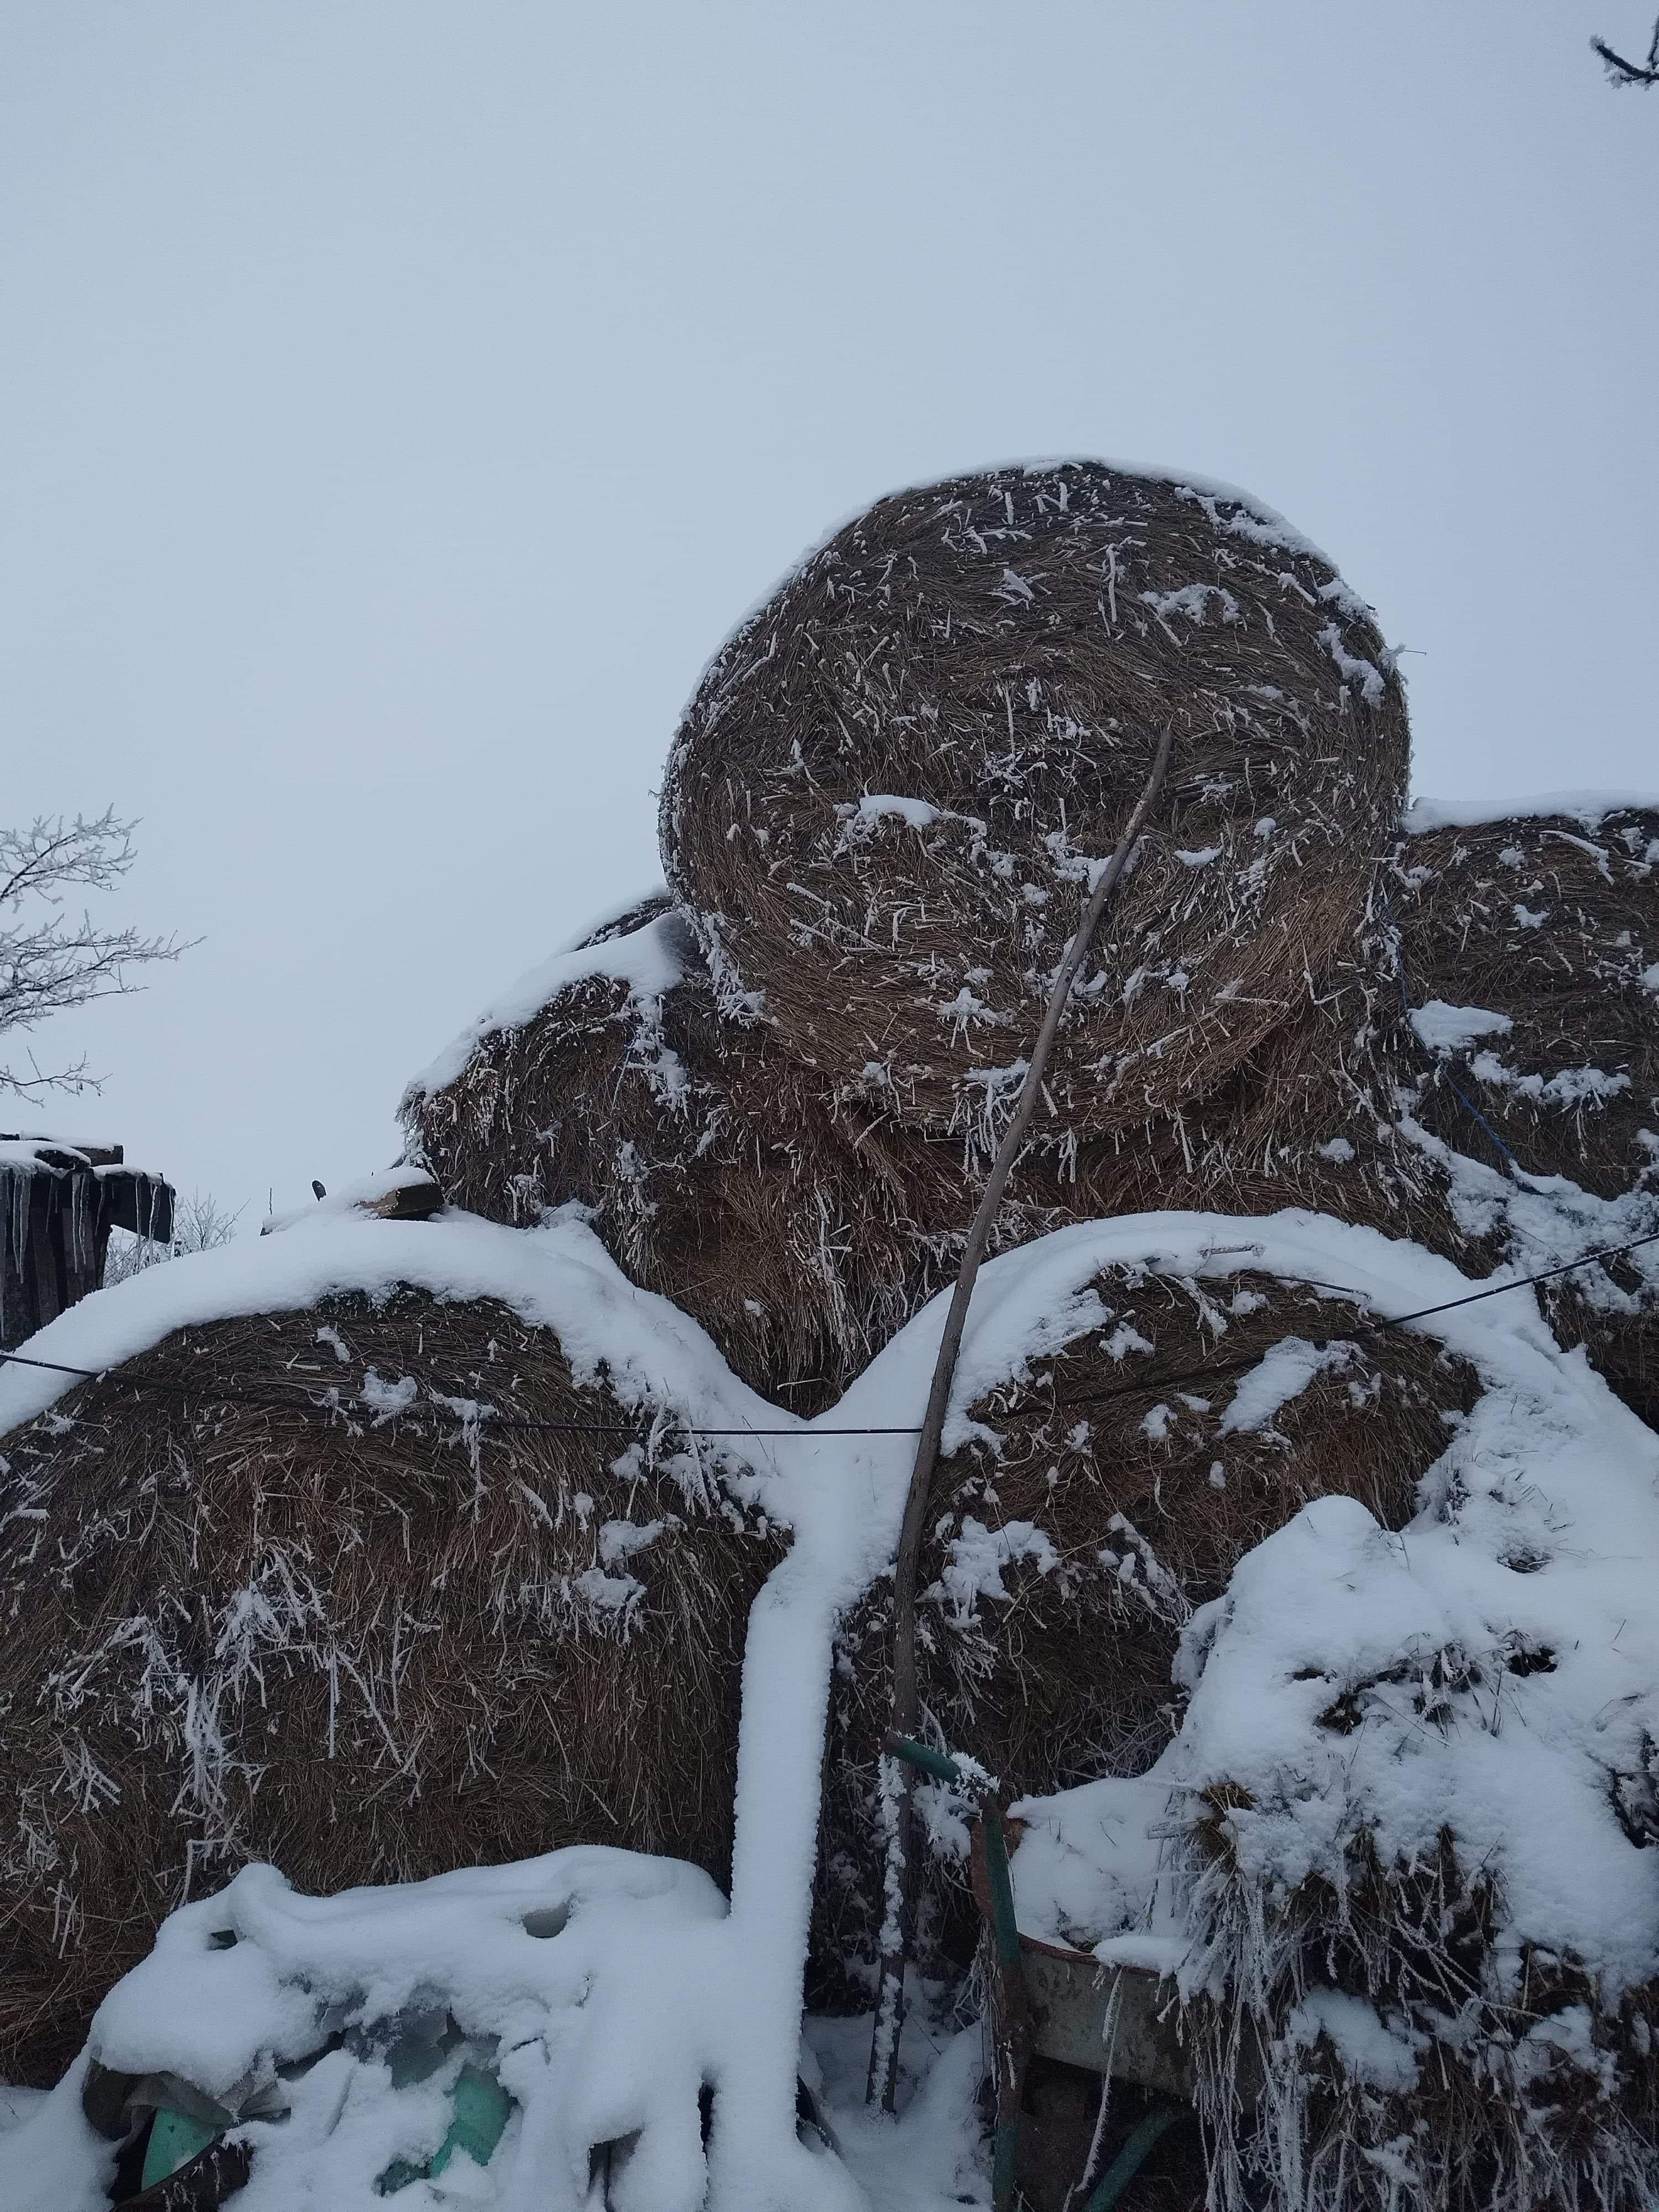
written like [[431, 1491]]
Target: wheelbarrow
[[1054, 2003]]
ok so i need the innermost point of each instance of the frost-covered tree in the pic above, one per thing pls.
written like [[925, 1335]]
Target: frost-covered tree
[[1621, 71], [199, 1224], [50, 961]]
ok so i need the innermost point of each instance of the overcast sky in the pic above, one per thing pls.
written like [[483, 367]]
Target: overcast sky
[[401, 401]]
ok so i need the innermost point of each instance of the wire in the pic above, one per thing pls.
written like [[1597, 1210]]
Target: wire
[[1146, 1386], [1364, 1329]]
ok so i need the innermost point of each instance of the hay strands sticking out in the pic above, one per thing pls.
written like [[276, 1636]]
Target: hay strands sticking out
[[883, 2048]]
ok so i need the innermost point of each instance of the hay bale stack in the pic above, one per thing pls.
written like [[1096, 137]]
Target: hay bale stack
[[1062, 1565], [883, 803], [1549, 923], [365, 1631], [803, 1230]]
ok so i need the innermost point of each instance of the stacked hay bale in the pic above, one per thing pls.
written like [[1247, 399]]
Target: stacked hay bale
[[802, 1230], [877, 822], [1108, 1492], [715, 1170], [894, 779], [873, 822], [1531, 957], [302, 1587]]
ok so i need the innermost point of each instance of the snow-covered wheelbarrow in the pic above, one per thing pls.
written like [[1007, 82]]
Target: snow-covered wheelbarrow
[[1114, 2020]]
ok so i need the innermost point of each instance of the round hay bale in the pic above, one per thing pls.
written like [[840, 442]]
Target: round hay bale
[[1063, 1560], [1555, 928], [714, 1169], [365, 1648], [1530, 950], [884, 801]]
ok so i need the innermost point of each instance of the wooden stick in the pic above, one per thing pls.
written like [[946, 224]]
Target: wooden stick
[[889, 2009]]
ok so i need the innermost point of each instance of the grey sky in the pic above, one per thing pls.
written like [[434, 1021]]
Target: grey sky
[[401, 400]]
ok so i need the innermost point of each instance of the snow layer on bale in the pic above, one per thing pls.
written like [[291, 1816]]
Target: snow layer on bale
[[360, 1191], [650, 961]]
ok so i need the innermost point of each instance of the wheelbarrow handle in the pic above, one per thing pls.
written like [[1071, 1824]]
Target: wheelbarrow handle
[[1016, 2037], [939, 1764]]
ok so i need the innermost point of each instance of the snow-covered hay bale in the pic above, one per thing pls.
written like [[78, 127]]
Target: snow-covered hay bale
[[886, 799], [716, 1170], [1075, 1532], [300, 1587], [1399, 1858], [1530, 949]]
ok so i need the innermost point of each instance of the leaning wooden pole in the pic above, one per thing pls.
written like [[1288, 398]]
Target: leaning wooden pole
[[901, 1878]]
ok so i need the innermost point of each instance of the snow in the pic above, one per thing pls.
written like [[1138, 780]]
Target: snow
[[608, 916], [977, 1557], [17, 2105], [1191, 600], [559, 1276], [602, 2031], [1568, 1087], [1445, 1028], [1282, 1373], [361, 1190], [1588, 808], [1352, 669], [875, 806], [651, 961], [1367, 2047]]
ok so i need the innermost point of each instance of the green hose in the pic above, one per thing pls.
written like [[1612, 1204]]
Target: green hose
[[1130, 2160]]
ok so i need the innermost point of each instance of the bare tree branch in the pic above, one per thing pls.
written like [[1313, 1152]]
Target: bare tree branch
[[51, 962], [1623, 72], [199, 1224]]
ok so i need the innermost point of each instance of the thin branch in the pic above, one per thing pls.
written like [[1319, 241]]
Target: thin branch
[[883, 2055], [53, 965], [1623, 72]]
